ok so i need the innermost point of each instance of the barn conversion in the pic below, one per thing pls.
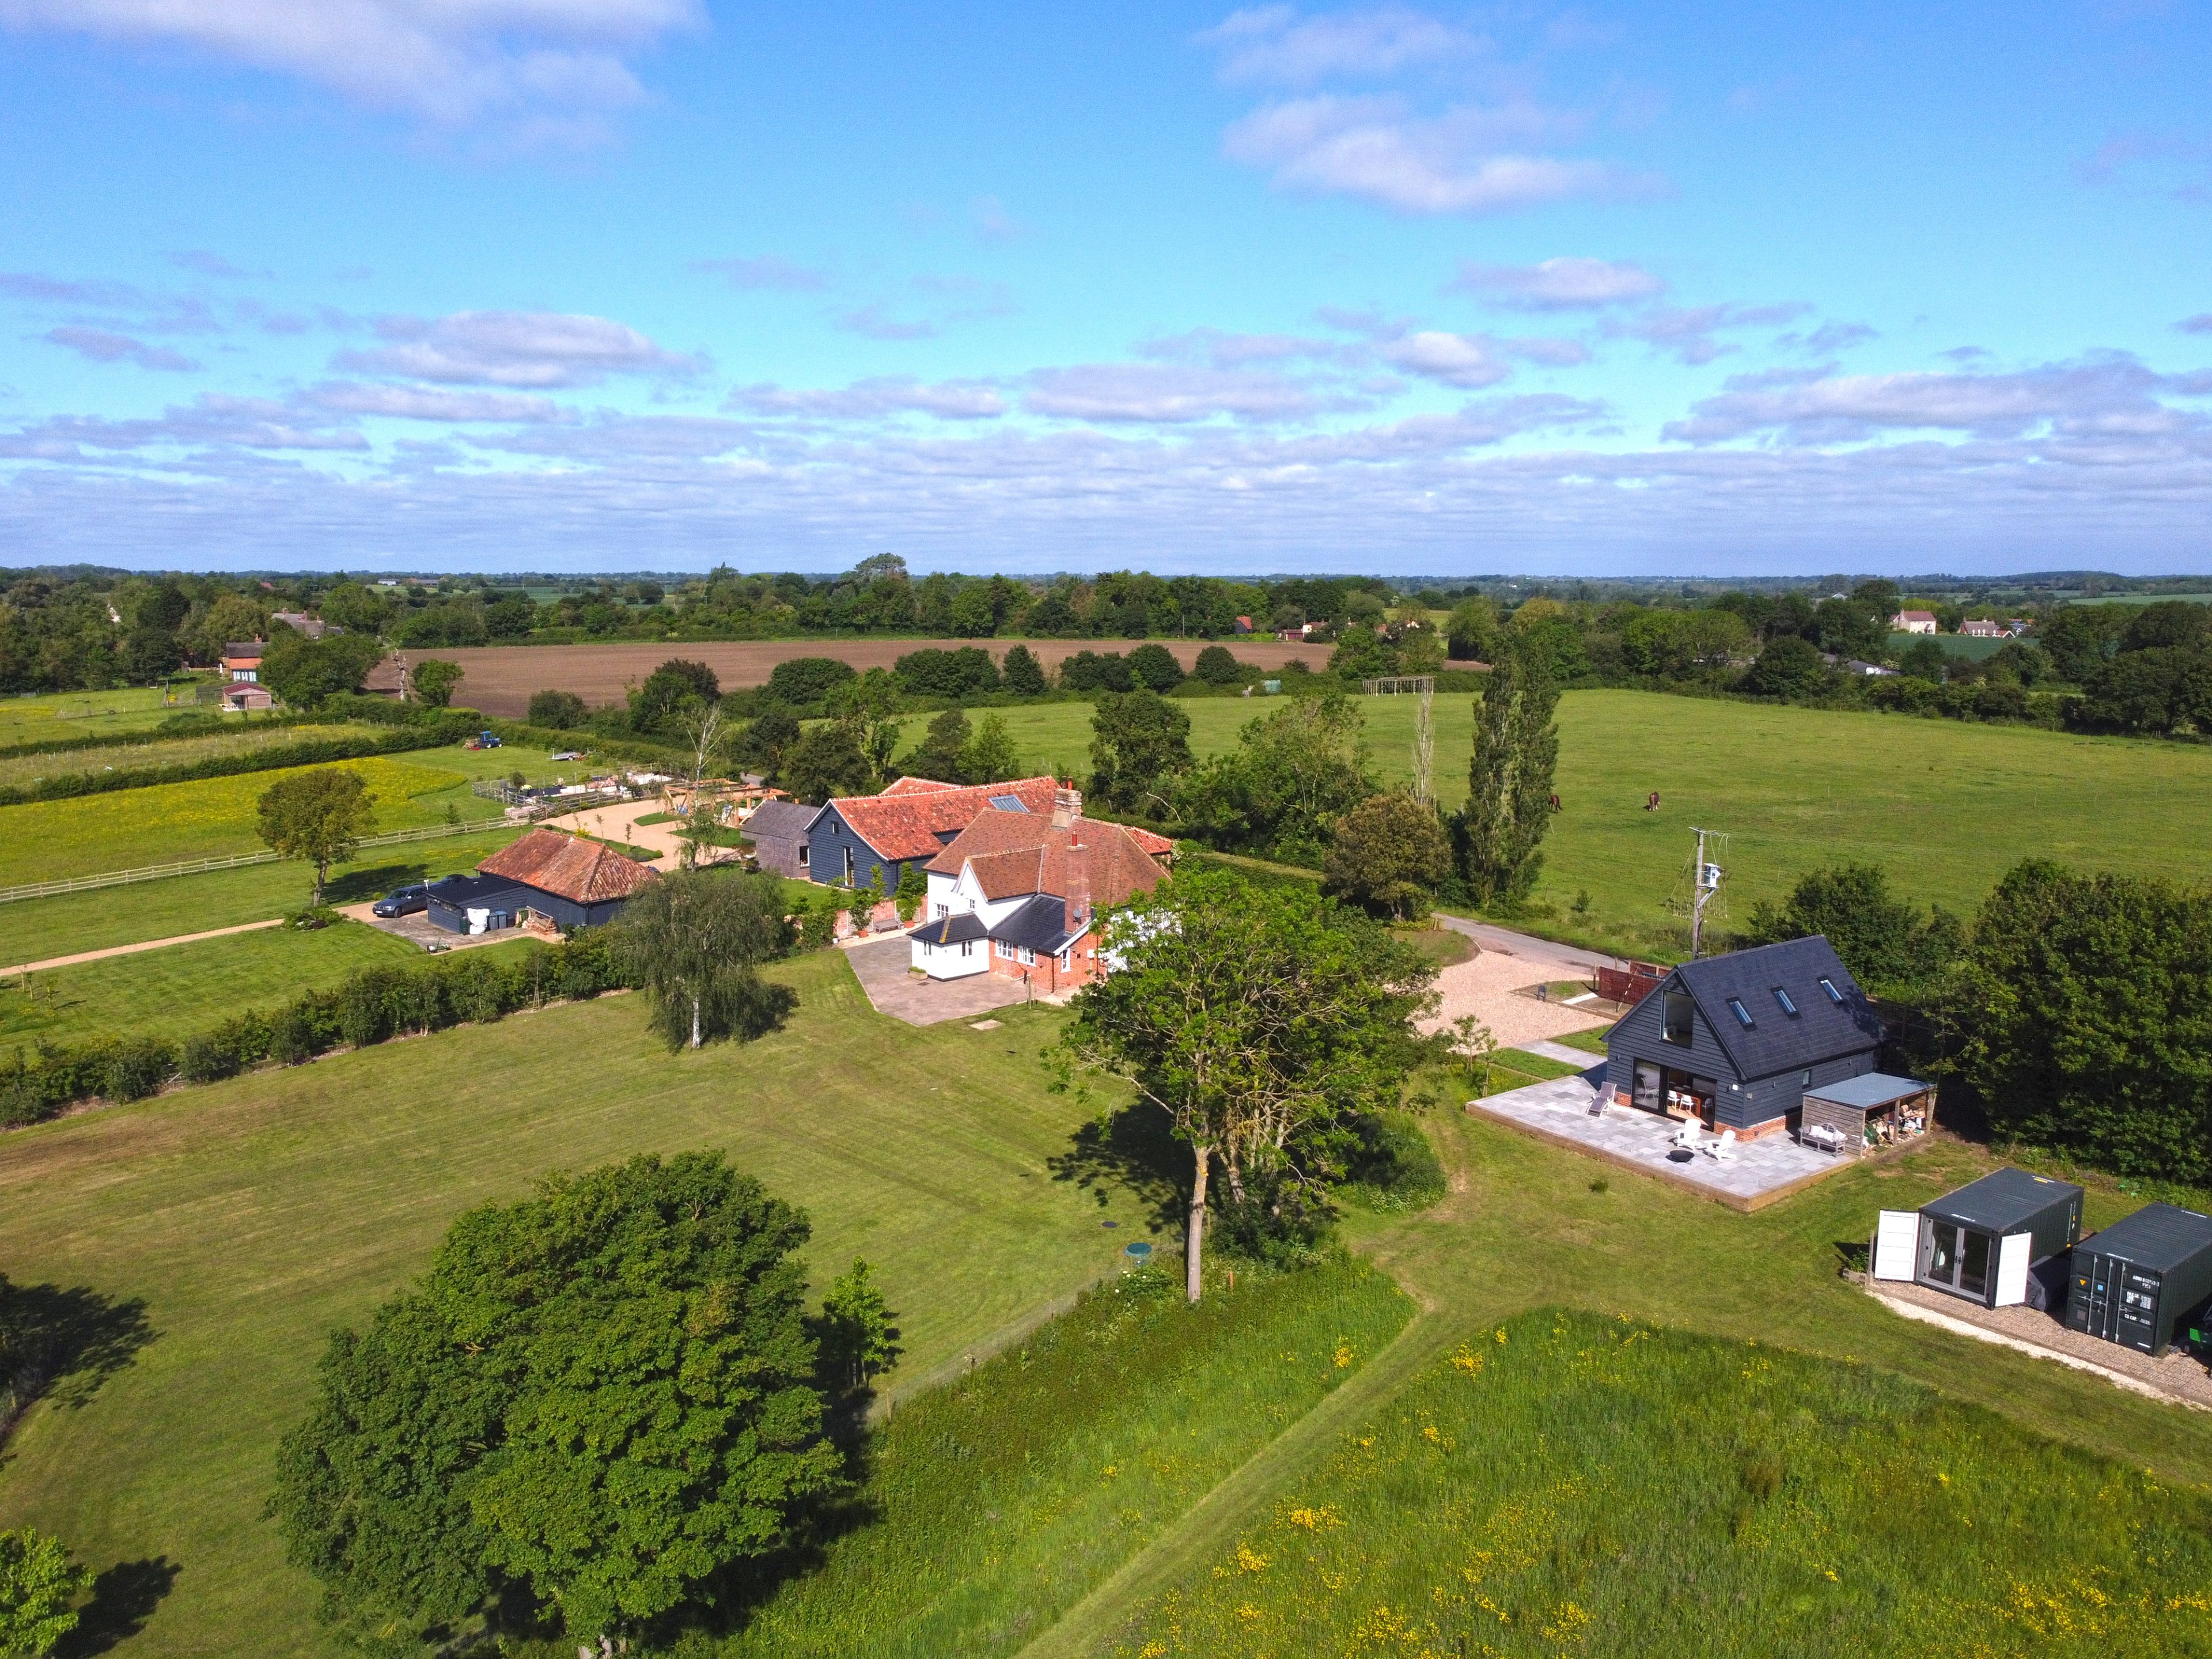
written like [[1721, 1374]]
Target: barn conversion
[[857, 839], [1737, 1042], [564, 881]]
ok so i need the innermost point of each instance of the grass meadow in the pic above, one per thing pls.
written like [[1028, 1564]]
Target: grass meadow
[[1002, 1500], [1536, 1491], [45, 716], [233, 739], [245, 1220], [212, 818], [37, 929], [184, 988], [1946, 807]]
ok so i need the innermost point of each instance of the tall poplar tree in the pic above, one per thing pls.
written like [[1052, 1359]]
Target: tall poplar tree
[[1497, 834]]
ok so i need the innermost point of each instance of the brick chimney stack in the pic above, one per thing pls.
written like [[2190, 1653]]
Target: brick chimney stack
[[1078, 880], [1067, 806]]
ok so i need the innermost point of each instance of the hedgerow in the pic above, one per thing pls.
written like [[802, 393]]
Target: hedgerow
[[311, 751], [371, 1006]]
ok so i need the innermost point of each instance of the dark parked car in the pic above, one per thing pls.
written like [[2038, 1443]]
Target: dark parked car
[[404, 901]]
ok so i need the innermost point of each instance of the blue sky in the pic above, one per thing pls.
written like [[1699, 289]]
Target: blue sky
[[603, 284]]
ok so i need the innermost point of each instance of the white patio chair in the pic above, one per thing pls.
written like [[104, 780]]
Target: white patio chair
[[1686, 1134], [1723, 1149]]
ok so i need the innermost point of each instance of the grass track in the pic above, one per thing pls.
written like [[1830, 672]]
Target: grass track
[[1946, 806], [252, 1216]]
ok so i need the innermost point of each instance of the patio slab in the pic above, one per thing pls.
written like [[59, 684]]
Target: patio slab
[[1762, 1172], [883, 967]]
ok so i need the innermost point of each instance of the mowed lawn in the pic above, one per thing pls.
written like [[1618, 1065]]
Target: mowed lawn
[[1945, 807], [37, 929], [184, 988], [252, 1216], [212, 818]]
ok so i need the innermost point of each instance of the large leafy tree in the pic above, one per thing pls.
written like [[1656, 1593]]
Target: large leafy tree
[[825, 762], [1390, 853], [1497, 835], [1889, 946], [597, 1399], [938, 755], [868, 707], [1293, 773], [2084, 1014], [434, 680], [695, 940], [306, 672], [990, 755], [1258, 1018], [320, 816], [659, 703], [1139, 745]]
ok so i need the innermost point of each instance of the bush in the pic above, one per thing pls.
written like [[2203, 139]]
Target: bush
[[1216, 667], [966, 672], [1024, 674], [1155, 667], [556, 711], [806, 680]]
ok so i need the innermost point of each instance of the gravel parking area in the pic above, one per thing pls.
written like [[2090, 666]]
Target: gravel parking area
[[1490, 987]]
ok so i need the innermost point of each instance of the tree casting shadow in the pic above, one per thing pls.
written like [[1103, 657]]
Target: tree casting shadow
[[1134, 1149], [62, 1345], [123, 1599]]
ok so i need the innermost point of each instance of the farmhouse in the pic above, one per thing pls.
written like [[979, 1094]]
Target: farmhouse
[[855, 840], [1982, 628], [1016, 893], [778, 830], [562, 880], [1737, 1042], [1913, 621], [241, 661]]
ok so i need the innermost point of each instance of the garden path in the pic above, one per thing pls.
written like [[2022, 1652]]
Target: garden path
[[143, 944]]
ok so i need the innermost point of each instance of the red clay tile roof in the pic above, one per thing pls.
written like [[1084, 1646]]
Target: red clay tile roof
[[914, 786], [906, 824], [1016, 853], [570, 867]]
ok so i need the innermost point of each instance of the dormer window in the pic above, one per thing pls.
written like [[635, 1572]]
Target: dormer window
[[1742, 1014], [1783, 997], [1834, 995]]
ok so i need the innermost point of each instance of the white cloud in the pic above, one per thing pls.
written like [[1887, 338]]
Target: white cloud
[[1466, 161], [1686, 332], [212, 419], [1273, 44], [951, 400], [415, 403], [540, 349], [1461, 360], [765, 270], [873, 321], [1166, 393], [101, 347], [1561, 284], [2101, 399], [555, 67]]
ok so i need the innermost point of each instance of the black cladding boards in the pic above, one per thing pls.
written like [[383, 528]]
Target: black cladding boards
[[2141, 1281]]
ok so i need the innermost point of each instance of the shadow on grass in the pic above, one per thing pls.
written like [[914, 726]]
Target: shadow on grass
[[62, 1345], [1135, 1151], [123, 1599]]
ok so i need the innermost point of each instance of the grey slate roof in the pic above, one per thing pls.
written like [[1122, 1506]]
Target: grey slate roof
[[785, 820], [1867, 1090], [950, 930], [478, 892], [1041, 924], [2000, 1200], [1777, 1042]]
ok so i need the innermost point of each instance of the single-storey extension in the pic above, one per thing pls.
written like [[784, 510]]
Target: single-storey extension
[[778, 830], [1738, 1041], [564, 880]]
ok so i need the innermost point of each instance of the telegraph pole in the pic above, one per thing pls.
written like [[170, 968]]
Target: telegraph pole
[[1704, 879]]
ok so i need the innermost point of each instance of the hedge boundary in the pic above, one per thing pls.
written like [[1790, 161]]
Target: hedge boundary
[[312, 752], [370, 1006]]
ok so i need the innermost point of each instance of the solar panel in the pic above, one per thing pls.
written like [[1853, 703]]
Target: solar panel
[[1008, 803]]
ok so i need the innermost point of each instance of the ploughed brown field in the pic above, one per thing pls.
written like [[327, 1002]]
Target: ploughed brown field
[[502, 677]]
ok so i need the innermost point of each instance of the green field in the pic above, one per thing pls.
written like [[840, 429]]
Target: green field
[[47, 716], [1534, 1492], [37, 929], [234, 739], [1956, 645], [253, 1216], [250, 1217], [212, 818], [184, 988], [1946, 806]]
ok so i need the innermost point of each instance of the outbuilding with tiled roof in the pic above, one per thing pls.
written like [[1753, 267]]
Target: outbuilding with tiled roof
[[570, 880]]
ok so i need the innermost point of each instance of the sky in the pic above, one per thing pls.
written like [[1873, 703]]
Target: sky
[[596, 285]]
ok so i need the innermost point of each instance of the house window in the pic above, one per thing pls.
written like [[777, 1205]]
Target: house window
[[1674, 1017], [941, 911], [1834, 995], [1742, 1014], [1783, 997], [967, 947], [802, 855], [1808, 1076], [848, 867]]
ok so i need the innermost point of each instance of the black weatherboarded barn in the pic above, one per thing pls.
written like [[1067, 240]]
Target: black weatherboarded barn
[[1736, 1040]]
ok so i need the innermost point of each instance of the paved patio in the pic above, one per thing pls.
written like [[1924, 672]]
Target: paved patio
[[882, 966], [1761, 1172]]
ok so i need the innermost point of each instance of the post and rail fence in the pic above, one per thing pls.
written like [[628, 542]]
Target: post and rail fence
[[31, 889]]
